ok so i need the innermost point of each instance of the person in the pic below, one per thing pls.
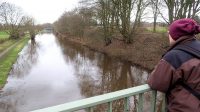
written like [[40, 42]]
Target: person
[[177, 74]]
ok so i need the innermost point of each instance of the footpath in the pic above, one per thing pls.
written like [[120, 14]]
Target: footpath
[[8, 57], [8, 49]]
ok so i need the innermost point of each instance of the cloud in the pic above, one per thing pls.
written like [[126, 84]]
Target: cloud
[[45, 11]]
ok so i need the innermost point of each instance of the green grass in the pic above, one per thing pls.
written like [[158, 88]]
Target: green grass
[[6, 44], [158, 29], [7, 61], [3, 36], [3, 33]]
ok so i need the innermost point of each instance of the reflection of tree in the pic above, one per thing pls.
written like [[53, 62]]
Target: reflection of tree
[[26, 60], [99, 74], [6, 107]]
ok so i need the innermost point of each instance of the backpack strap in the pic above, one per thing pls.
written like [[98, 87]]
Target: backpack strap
[[189, 50], [188, 88]]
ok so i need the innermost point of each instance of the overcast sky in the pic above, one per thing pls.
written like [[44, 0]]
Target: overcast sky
[[45, 11]]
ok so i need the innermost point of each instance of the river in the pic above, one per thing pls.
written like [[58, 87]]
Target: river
[[52, 71]]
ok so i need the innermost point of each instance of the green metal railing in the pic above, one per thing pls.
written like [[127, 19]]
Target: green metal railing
[[90, 103]]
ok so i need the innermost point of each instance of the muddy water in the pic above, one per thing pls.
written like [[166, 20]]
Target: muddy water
[[52, 71]]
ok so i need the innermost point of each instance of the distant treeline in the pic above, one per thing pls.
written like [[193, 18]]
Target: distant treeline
[[123, 17], [15, 22]]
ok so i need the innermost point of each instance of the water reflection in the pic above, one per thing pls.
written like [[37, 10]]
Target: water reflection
[[40, 79], [27, 58], [99, 74], [53, 71]]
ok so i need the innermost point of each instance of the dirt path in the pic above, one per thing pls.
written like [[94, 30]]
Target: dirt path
[[8, 49]]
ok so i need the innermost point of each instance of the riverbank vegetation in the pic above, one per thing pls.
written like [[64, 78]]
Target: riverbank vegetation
[[7, 44], [125, 28], [9, 58], [15, 28], [3, 36], [14, 23]]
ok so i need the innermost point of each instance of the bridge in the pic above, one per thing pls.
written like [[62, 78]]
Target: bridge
[[89, 104], [47, 30]]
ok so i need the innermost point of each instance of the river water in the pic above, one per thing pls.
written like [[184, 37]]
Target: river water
[[52, 71]]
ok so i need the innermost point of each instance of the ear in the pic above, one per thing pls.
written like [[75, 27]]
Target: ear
[[197, 29], [171, 40]]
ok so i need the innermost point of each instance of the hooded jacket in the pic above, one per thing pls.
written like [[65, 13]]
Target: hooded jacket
[[175, 66]]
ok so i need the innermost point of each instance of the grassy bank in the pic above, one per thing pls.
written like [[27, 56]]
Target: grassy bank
[[145, 51], [6, 44], [7, 61], [3, 36], [158, 29]]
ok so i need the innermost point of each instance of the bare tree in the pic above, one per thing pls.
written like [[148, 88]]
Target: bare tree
[[182, 9], [154, 4], [71, 23], [124, 10], [29, 24], [121, 16], [106, 16], [11, 17], [88, 13], [141, 6], [61, 25]]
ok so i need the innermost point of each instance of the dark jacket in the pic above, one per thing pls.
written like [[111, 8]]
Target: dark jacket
[[175, 66]]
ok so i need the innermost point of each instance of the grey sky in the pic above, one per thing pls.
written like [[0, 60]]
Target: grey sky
[[45, 11]]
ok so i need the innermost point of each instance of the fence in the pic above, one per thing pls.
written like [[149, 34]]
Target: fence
[[89, 103]]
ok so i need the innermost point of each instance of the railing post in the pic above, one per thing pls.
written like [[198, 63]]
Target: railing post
[[90, 109], [109, 106], [126, 104], [89, 103], [153, 101], [140, 106]]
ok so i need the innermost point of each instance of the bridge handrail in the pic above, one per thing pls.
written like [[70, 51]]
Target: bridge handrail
[[106, 98]]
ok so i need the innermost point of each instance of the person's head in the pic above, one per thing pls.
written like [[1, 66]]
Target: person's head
[[182, 27]]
